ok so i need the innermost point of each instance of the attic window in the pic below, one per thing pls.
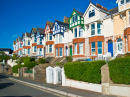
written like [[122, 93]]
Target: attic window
[[122, 1], [91, 13]]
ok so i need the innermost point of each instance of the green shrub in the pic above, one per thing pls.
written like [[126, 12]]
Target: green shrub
[[120, 70], [41, 61], [15, 68], [60, 63], [30, 65], [84, 71], [69, 58]]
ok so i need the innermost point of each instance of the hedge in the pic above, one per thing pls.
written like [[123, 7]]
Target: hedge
[[120, 70], [41, 61], [15, 68], [84, 71], [30, 65]]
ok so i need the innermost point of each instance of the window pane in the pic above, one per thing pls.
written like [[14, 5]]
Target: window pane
[[99, 44], [122, 1], [91, 13], [81, 48], [75, 18], [50, 36], [99, 31], [50, 48], [60, 51], [75, 48], [92, 26], [60, 38], [93, 44], [127, 0], [98, 25], [93, 32], [75, 32], [80, 32], [56, 51], [93, 51], [99, 50]]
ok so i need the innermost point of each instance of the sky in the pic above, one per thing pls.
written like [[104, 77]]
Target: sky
[[20, 16]]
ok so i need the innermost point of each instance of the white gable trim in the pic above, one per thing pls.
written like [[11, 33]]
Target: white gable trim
[[88, 9], [118, 1]]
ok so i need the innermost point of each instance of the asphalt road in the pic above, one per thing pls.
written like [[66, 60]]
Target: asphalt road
[[9, 88]]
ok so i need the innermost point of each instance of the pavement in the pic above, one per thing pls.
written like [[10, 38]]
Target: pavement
[[64, 91]]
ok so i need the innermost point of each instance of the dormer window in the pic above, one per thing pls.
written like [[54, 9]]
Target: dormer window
[[74, 18], [91, 13], [122, 1]]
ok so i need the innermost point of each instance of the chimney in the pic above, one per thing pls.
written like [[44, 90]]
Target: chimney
[[65, 20], [100, 6]]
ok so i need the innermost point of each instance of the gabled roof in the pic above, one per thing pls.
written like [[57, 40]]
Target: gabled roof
[[50, 24], [80, 13], [96, 7], [28, 34], [41, 30], [62, 23], [34, 30]]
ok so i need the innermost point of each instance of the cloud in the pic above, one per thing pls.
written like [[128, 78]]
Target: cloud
[[14, 36]]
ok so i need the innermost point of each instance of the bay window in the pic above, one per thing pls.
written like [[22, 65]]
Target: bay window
[[100, 47], [93, 48], [75, 48], [92, 29], [80, 48]]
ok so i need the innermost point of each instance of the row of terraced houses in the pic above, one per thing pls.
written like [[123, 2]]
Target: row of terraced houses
[[94, 33]]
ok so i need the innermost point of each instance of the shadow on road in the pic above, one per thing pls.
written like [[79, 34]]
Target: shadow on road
[[2, 76], [5, 85], [16, 96]]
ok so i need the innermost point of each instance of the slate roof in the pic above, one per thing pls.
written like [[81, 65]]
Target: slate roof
[[28, 34], [80, 13], [113, 11], [40, 30], [50, 24], [34, 29], [62, 23]]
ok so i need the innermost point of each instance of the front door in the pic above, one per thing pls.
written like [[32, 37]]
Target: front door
[[110, 47], [119, 45], [71, 50]]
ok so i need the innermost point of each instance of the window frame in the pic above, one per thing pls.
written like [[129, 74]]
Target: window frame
[[56, 52], [60, 52], [75, 48], [35, 49], [99, 47], [93, 48], [93, 29], [99, 28], [75, 33], [40, 41], [28, 51], [91, 13], [50, 48], [50, 36], [80, 46], [80, 30]]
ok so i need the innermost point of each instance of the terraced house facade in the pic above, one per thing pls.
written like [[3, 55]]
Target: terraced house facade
[[96, 33]]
